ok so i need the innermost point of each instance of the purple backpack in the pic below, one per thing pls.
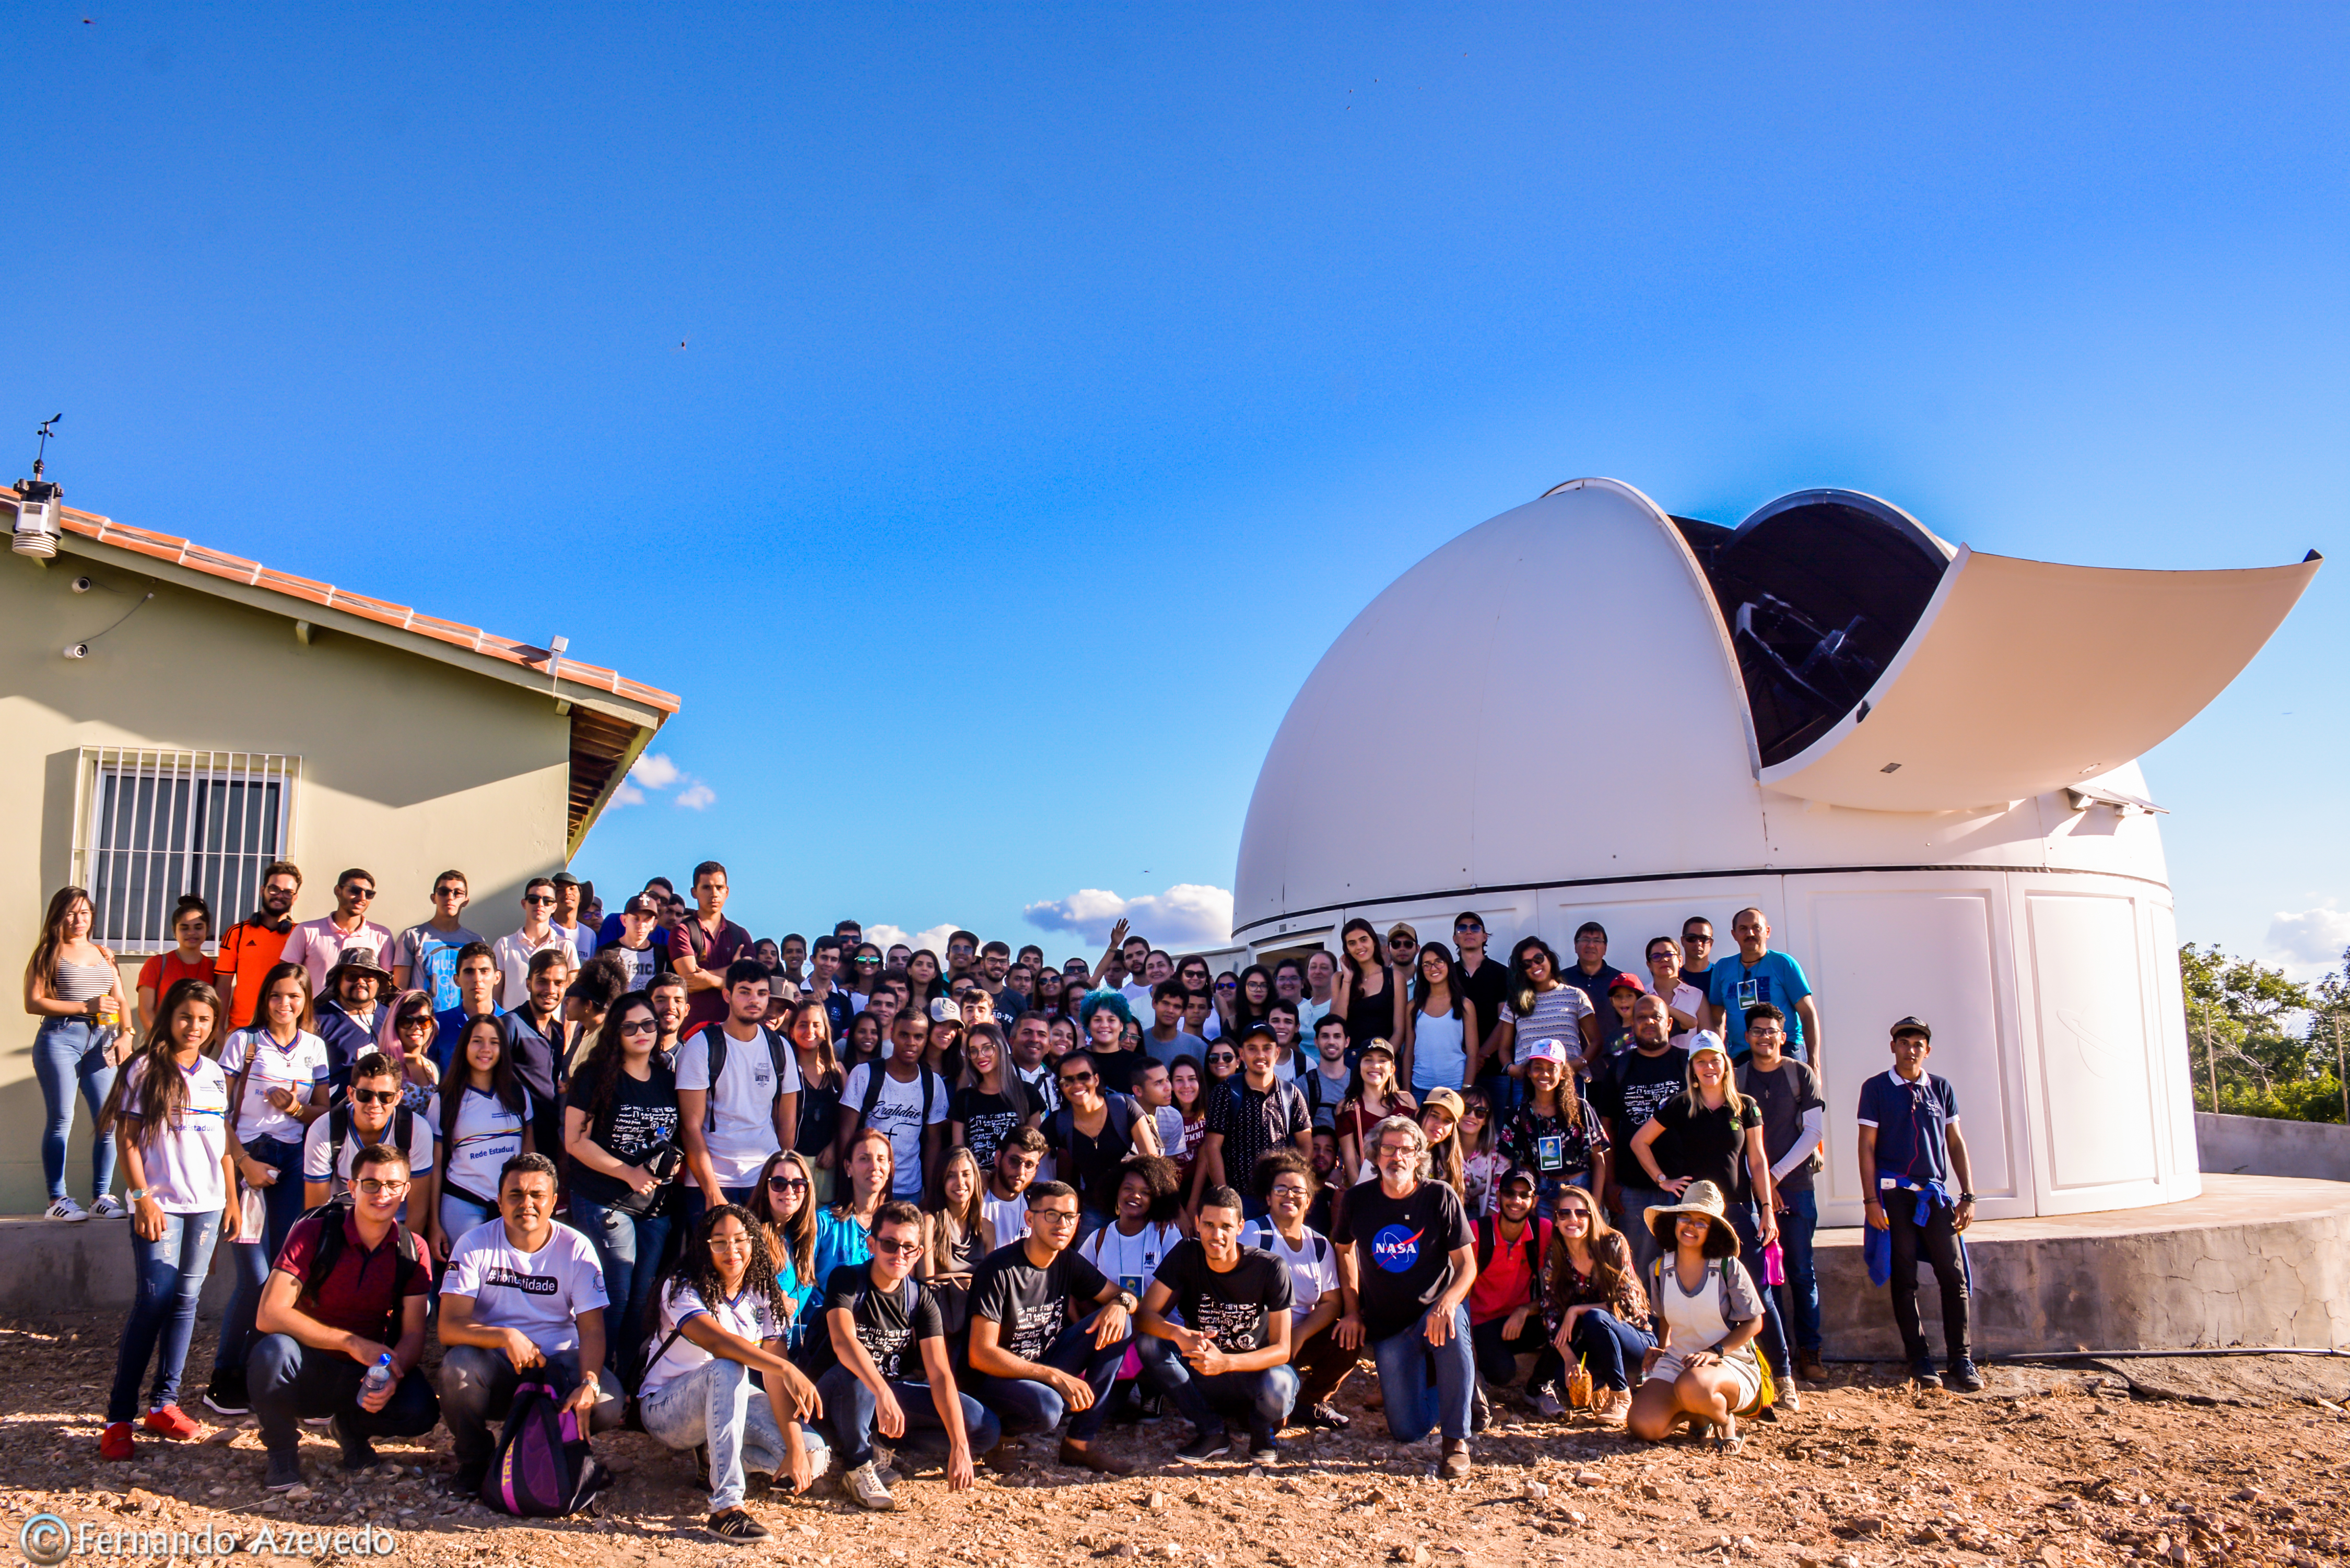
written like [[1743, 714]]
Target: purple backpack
[[543, 1469]]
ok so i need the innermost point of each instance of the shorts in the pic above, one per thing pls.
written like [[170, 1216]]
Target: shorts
[[1742, 1367]]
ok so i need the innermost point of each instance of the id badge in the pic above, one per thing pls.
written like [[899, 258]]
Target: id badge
[[1750, 993], [1131, 1283], [1550, 1151]]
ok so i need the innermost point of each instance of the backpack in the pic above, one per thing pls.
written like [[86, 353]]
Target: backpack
[[542, 1468], [1489, 1233], [778, 1053], [873, 1092], [1766, 1390], [329, 1250], [1063, 1123], [338, 1131]]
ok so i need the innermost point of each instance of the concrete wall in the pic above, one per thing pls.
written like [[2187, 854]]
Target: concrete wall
[[2262, 1146], [408, 766]]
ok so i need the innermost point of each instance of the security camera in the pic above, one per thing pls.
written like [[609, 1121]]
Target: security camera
[[83, 585], [77, 650]]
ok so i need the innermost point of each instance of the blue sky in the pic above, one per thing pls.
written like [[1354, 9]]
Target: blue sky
[[984, 417]]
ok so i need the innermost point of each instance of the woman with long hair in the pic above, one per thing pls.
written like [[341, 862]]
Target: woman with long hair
[[1709, 1312], [1556, 1138], [277, 1072], [722, 1319], [1482, 1163], [864, 973], [1540, 1005], [1440, 1118], [865, 1043], [192, 927], [1187, 1083], [72, 986], [1251, 999], [809, 1028], [1372, 1095], [620, 1129], [414, 1030], [1050, 984], [1366, 992], [171, 1105], [924, 979], [1684, 1003], [1595, 1309], [482, 1113], [955, 1236], [784, 1201], [990, 1101], [1224, 992], [844, 1231], [1438, 1026]]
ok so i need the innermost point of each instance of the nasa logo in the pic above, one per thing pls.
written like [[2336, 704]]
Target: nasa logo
[[1395, 1249]]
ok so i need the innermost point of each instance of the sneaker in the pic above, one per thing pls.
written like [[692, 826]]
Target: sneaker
[[1264, 1449], [284, 1471], [226, 1395], [1922, 1373], [1091, 1458], [359, 1453], [1456, 1464], [1205, 1445], [1328, 1417], [865, 1489], [1547, 1406], [466, 1479], [66, 1210], [1963, 1377], [735, 1524], [170, 1421], [114, 1443], [109, 1208]]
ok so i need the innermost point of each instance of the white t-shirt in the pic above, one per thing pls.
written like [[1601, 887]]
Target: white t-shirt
[[296, 1068], [183, 1159], [488, 1135], [1309, 1274], [643, 964], [1558, 1014], [1007, 1217], [747, 1316], [513, 951], [1138, 1002], [418, 1148], [899, 1112], [1131, 1260], [542, 1293], [743, 1102]]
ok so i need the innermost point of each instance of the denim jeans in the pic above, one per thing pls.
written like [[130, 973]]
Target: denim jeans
[[849, 1406], [1608, 1346], [1025, 1405], [695, 1207], [1771, 1343], [282, 1201], [170, 1278], [629, 1248], [70, 1054], [718, 1403], [477, 1386], [1425, 1387], [289, 1381], [1263, 1398], [1797, 1224]]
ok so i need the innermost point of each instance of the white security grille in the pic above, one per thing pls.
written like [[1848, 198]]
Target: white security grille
[[152, 824]]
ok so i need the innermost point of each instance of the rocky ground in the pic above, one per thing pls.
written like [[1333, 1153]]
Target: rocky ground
[[2212, 1461]]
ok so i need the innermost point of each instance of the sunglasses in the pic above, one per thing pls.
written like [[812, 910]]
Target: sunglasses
[[641, 1026], [1227, 985], [1574, 1212], [1460, 926], [360, 893], [447, 892], [375, 1097], [1401, 943], [787, 1184], [899, 1248], [1221, 1059], [1073, 1079], [869, 962], [537, 898]]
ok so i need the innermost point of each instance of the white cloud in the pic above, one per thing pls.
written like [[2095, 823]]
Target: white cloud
[[885, 935], [697, 796], [654, 770], [628, 794], [1188, 914], [2310, 936]]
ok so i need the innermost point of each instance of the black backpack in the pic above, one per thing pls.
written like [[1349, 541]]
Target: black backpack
[[877, 1070], [778, 1053], [1489, 1230], [338, 1132], [329, 1251], [1064, 1134]]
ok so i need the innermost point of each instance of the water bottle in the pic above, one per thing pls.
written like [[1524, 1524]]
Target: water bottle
[[377, 1378]]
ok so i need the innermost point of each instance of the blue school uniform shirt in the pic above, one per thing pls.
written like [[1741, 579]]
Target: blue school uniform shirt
[[1777, 980], [1912, 1122]]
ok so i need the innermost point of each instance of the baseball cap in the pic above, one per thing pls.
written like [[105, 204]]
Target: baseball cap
[[1546, 1051], [639, 904], [1913, 1024], [943, 1008], [1627, 980], [1401, 929], [564, 880]]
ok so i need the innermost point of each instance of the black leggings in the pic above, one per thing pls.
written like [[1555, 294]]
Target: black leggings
[[1497, 1357], [1936, 1242]]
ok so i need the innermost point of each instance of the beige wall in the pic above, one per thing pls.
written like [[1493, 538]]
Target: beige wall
[[408, 766]]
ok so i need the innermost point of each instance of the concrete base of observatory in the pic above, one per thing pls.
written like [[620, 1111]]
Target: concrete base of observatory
[[2255, 1261]]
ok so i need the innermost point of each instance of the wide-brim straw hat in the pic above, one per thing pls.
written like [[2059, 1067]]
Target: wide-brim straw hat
[[1699, 1198]]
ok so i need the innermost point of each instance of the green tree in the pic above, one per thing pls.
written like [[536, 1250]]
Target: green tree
[[2250, 1032]]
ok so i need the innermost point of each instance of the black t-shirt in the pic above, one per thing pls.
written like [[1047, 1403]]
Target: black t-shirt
[[987, 1120], [1081, 1160], [885, 1326], [1029, 1306], [640, 1116], [1253, 1125], [1488, 985], [1229, 1308], [1117, 1069], [1708, 1146], [1630, 1088], [1784, 1095], [1404, 1249]]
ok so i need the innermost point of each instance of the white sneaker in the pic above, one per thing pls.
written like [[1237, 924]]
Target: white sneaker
[[66, 1210], [865, 1487], [109, 1208]]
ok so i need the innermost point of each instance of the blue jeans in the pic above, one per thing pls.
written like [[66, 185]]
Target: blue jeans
[[1425, 1387], [1263, 1398], [1026, 1405], [848, 1408], [1797, 1225], [695, 1207], [70, 1053], [1608, 1346], [283, 1202], [1771, 1343], [170, 1270], [289, 1381], [629, 1246], [718, 1403]]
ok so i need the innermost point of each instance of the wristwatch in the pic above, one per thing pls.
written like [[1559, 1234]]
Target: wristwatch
[[133, 1195], [1127, 1302], [1966, 1198]]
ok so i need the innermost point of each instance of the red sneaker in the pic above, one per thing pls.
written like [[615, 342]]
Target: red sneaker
[[170, 1421], [114, 1443]]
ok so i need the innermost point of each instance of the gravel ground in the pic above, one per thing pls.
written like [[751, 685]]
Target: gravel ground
[[2048, 1467]]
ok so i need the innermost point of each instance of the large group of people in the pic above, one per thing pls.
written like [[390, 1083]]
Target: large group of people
[[797, 1205]]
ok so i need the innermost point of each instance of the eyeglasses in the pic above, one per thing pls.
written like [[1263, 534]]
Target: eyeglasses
[[377, 1188], [375, 1097], [1289, 1191], [787, 1184], [1054, 1216], [899, 1248], [641, 1026]]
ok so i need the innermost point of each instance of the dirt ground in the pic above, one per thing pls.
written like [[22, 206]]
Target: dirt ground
[[2209, 1461]]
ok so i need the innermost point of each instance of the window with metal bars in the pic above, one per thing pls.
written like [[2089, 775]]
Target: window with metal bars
[[153, 824]]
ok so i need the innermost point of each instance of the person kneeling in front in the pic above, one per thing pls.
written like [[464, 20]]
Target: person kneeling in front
[[1710, 1309], [344, 1300], [874, 1313], [722, 1317], [523, 1302], [1048, 1332], [1234, 1359]]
